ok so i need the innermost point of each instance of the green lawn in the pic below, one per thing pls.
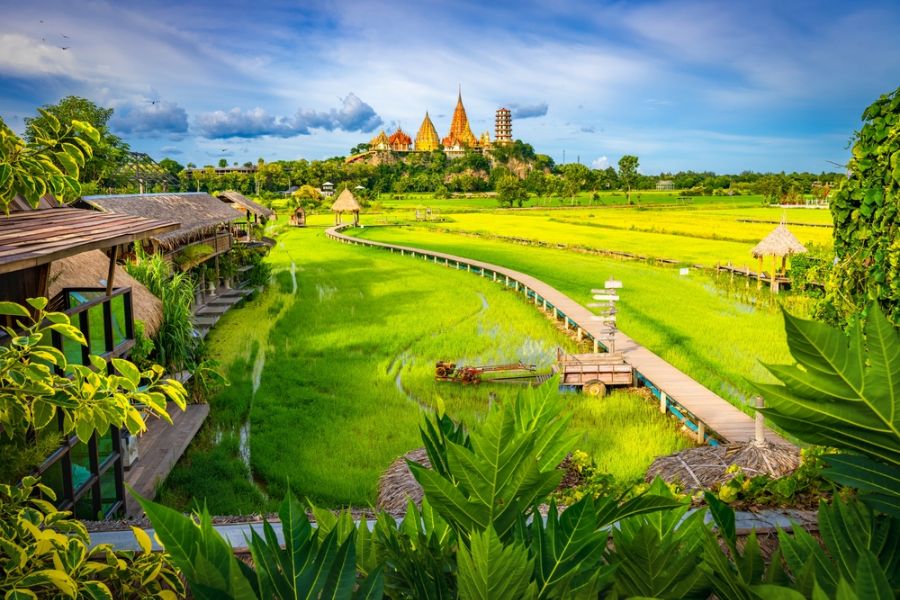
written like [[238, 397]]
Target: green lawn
[[332, 378]]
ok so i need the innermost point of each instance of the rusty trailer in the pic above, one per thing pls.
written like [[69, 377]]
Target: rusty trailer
[[593, 374]]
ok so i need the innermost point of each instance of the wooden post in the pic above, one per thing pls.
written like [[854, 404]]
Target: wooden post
[[759, 274], [701, 432], [784, 265], [760, 433], [494, 275], [468, 268], [580, 334], [111, 273], [596, 346], [774, 273], [662, 402]]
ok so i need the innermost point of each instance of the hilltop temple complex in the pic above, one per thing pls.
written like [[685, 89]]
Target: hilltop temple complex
[[457, 141]]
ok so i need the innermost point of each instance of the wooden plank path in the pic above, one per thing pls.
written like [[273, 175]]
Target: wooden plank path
[[159, 449], [712, 417]]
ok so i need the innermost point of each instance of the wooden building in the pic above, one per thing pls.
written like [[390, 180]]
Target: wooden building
[[253, 211], [56, 252], [203, 219]]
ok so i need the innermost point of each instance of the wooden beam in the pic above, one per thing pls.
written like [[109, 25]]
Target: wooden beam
[[111, 273]]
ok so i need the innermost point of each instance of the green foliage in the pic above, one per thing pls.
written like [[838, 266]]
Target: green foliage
[[175, 343], [109, 151], [143, 346], [844, 392], [32, 393], [45, 553], [192, 255], [628, 173], [805, 486], [510, 190], [659, 555], [206, 380], [866, 207], [313, 563], [51, 162]]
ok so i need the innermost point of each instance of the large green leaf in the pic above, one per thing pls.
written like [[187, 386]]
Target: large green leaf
[[492, 571], [844, 392], [878, 481]]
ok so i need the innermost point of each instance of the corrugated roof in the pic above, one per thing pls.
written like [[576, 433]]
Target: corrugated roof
[[30, 238], [198, 213]]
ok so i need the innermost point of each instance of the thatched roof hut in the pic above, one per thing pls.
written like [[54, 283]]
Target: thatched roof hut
[[198, 213], [89, 269], [707, 466], [397, 486], [245, 204], [346, 202], [781, 242]]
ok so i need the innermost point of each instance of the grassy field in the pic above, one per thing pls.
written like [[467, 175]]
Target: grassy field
[[476, 201], [333, 364], [693, 237], [715, 331]]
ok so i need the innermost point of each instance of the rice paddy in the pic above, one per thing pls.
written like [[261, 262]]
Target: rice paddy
[[332, 365], [718, 331]]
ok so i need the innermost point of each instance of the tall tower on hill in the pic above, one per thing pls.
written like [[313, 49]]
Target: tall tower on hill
[[460, 131], [503, 126]]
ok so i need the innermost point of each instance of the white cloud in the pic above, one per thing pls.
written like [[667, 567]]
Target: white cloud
[[600, 163], [25, 55]]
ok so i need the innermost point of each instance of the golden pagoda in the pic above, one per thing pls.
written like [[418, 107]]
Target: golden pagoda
[[460, 133], [380, 142], [400, 141], [485, 141], [427, 139]]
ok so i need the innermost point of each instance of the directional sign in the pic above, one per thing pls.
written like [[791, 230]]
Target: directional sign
[[603, 305], [607, 297], [612, 284], [604, 319]]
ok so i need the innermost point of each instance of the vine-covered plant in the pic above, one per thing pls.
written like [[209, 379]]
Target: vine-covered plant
[[866, 211]]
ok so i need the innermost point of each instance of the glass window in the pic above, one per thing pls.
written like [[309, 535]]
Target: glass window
[[108, 490], [84, 508], [97, 338], [81, 466], [117, 306], [53, 478]]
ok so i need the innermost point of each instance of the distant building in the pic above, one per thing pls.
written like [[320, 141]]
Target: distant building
[[665, 185], [399, 141], [503, 126], [427, 139], [224, 170], [327, 189]]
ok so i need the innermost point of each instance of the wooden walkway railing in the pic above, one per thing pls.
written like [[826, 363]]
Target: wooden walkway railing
[[710, 416]]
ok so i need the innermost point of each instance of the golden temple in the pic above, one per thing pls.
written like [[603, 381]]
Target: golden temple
[[457, 141]]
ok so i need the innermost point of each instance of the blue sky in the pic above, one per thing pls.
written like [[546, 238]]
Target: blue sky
[[722, 86]]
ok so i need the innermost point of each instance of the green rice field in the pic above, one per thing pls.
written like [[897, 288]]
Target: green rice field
[[718, 331], [333, 364]]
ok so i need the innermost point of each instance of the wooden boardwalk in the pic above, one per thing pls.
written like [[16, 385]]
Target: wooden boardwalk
[[159, 449], [712, 417]]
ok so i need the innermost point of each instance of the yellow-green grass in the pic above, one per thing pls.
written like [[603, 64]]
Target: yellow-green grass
[[717, 338], [332, 378], [680, 235]]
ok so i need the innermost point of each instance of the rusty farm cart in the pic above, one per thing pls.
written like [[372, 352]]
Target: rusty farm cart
[[592, 374]]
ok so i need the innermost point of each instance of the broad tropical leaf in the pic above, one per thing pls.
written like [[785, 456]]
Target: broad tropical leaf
[[492, 571]]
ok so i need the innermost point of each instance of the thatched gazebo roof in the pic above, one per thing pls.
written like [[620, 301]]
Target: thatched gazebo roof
[[706, 466], [781, 242], [89, 269], [198, 213], [236, 198], [346, 202]]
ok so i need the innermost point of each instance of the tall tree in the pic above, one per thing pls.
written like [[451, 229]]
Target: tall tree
[[628, 172], [109, 151], [171, 166]]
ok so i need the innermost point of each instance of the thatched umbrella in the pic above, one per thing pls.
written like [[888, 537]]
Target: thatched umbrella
[[346, 202], [90, 269], [780, 243], [397, 486], [707, 466]]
